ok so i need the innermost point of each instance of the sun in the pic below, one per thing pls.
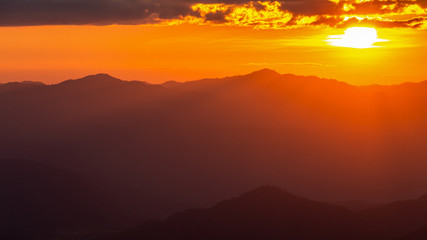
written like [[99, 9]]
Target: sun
[[356, 37]]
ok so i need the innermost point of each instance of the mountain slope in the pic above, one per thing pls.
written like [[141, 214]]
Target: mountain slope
[[271, 213], [202, 141], [399, 218], [43, 201], [418, 234], [264, 213], [18, 86]]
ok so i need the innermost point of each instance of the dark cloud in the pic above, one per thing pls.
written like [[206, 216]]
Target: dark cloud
[[106, 12], [218, 17], [328, 21], [310, 7], [410, 23], [96, 12], [48, 12], [380, 6]]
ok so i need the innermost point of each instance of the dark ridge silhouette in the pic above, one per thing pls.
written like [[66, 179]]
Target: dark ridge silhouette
[[16, 86], [264, 213], [202, 141], [419, 234], [41, 202], [264, 73], [398, 218], [261, 78], [101, 83], [272, 213], [170, 84], [100, 80]]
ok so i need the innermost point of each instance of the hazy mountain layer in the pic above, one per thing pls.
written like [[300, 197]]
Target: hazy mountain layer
[[202, 141], [271, 213]]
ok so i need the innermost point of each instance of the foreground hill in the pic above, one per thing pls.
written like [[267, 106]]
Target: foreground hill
[[399, 218], [271, 213], [419, 234], [264, 213], [202, 141], [42, 202]]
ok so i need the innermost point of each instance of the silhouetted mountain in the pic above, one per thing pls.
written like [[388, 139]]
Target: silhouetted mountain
[[100, 81], [271, 213], [40, 202], [202, 141], [16, 86], [214, 83], [419, 234], [264, 213], [399, 218], [96, 79]]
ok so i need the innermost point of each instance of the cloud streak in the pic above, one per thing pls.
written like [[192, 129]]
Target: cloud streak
[[303, 64], [257, 14]]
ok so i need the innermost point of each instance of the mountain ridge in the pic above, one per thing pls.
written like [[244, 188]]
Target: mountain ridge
[[315, 138], [269, 212], [265, 72], [266, 212], [45, 200]]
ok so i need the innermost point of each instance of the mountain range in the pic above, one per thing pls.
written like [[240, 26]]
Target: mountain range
[[40, 202], [340, 142], [271, 213], [167, 147]]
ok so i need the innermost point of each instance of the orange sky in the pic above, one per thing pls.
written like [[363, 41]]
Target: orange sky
[[187, 51]]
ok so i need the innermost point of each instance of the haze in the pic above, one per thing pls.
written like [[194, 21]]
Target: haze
[[213, 119]]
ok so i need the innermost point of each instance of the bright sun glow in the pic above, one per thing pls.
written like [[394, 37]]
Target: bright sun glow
[[356, 37]]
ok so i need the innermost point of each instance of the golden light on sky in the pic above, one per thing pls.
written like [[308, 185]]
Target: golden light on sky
[[182, 40], [356, 37]]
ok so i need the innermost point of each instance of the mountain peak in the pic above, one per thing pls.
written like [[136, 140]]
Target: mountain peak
[[100, 76], [100, 79], [266, 212], [265, 72]]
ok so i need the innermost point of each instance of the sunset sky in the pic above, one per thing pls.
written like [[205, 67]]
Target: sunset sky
[[161, 40]]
